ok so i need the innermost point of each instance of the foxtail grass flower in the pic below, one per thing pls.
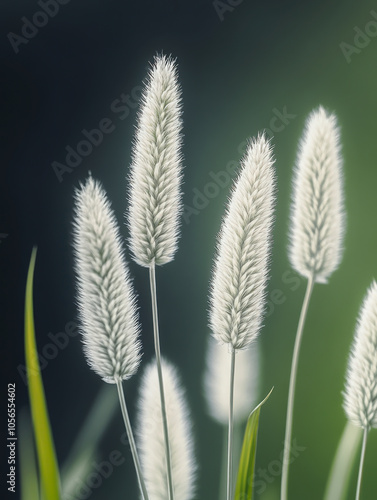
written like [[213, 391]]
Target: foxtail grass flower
[[150, 442], [360, 394], [106, 299], [156, 170], [317, 229], [216, 382], [241, 264], [317, 215], [155, 196]]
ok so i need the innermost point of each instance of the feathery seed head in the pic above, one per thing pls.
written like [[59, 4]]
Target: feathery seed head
[[106, 300], [216, 382], [151, 440], [241, 264], [360, 395], [317, 215], [156, 170]]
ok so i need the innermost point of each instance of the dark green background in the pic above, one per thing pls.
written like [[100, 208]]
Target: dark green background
[[234, 73]]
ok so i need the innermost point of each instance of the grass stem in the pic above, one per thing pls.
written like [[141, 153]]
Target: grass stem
[[364, 445], [343, 462], [131, 440], [152, 278], [292, 386], [230, 428]]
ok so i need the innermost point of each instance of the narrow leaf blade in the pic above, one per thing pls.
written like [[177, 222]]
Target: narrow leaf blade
[[245, 477], [48, 467], [83, 452], [344, 460]]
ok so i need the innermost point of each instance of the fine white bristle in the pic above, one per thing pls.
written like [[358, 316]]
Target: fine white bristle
[[360, 395], [105, 297], [216, 382], [156, 170], [151, 439], [241, 264], [317, 216]]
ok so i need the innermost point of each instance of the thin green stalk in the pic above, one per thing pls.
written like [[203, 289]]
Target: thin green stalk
[[361, 464], [237, 446], [291, 393], [345, 457], [84, 448], [152, 278], [230, 428], [131, 440]]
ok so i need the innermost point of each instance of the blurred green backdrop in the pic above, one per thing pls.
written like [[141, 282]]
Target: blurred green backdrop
[[239, 68]]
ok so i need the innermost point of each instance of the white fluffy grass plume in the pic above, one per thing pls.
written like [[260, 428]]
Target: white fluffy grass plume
[[241, 264], [360, 395], [216, 382], [317, 217], [151, 440], [156, 170], [105, 297]]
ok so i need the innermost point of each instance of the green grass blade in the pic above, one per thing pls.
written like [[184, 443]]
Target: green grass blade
[[79, 463], [78, 474], [28, 464], [245, 477], [344, 460], [48, 467]]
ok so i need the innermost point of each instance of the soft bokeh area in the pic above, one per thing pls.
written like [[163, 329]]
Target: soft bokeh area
[[244, 67]]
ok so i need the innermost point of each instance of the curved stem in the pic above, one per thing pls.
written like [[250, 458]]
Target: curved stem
[[152, 279], [131, 440], [361, 464], [345, 457], [230, 428], [291, 393]]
